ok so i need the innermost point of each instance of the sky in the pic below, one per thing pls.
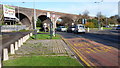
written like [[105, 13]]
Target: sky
[[107, 7]]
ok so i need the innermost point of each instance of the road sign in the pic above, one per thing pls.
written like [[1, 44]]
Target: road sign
[[48, 14], [9, 11]]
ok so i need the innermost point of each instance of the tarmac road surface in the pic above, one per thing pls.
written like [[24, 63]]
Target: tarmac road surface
[[9, 38], [92, 52]]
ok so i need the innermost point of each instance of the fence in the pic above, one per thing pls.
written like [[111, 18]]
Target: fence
[[8, 28]]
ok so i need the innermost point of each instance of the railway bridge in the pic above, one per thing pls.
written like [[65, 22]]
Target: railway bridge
[[26, 16]]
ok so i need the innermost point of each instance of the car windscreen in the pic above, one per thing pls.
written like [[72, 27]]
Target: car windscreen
[[81, 26], [118, 26], [62, 27]]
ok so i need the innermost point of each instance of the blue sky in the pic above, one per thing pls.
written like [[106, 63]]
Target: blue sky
[[107, 7]]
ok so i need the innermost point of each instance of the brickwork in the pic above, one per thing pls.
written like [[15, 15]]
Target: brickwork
[[28, 12]]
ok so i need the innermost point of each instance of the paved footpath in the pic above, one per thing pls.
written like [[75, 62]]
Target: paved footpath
[[43, 48], [92, 53]]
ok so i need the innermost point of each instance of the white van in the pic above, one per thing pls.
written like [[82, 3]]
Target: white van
[[79, 28]]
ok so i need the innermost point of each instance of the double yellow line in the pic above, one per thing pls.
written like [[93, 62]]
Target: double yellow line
[[88, 63]]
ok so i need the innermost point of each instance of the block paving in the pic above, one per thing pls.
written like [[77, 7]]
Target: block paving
[[43, 48]]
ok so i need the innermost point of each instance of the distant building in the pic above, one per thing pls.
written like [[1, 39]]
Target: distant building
[[119, 9]]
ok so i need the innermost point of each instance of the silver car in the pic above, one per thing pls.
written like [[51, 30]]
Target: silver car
[[61, 28], [79, 28]]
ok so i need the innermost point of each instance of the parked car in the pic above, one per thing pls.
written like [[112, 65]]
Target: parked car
[[118, 27], [107, 26], [79, 28], [61, 28], [71, 29]]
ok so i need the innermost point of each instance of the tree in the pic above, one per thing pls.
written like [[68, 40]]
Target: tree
[[99, 17], [39, 23], [85, 14], [78, 19], [113, 20], [90, 24], [94, 21], [67, 20], [118, 20]]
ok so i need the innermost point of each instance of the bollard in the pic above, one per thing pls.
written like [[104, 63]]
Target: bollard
[[19, 45], [16, 45], [88, 29], [0, 62], [25, 39], [5, 54], [28, 36], [101, 28], [31, 34], [21, 41], [12, 49]]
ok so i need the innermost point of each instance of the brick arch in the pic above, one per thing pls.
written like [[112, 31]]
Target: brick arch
[[24, 19], [44, 18], [65, 20]]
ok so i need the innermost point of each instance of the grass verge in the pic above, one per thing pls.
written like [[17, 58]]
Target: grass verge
[[106, 28], [43, 61], [43, 32], [45, 36]]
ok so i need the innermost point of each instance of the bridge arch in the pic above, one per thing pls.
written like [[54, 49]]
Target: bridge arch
[[43, 19], [64, 21], [24, 19]]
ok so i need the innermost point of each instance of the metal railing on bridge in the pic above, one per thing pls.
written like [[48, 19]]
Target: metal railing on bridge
[[9, 28]]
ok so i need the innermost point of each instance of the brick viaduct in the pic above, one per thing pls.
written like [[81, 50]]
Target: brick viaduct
[[26, 15]]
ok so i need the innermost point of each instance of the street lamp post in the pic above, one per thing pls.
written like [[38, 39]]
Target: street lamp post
[[35, 31], [18, 12], [99, 16], [34, 15]]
